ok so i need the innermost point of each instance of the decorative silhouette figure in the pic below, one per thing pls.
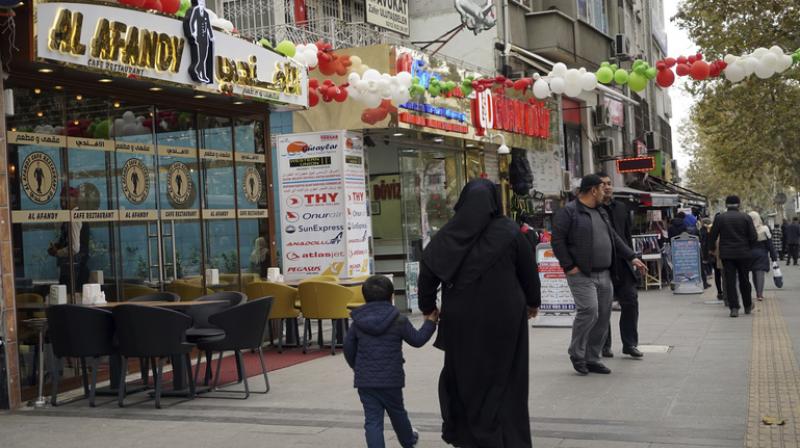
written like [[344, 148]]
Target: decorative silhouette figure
[[197, 28], [135, 181], [252, 187], [38, 174], [179, 182]]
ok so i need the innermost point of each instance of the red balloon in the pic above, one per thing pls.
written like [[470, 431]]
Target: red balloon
[[520, 84], [665, 78], [152, 4], [171, 6], [681, 59], [313, 83], [691, 59], [670, 62], [660, 65], [340, 95], [509, 83], [682, 69], [500, 79], [722, 65], [700, 70], [313, 99], [699, 56]]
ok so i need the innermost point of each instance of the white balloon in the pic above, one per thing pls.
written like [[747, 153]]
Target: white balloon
[[311, 59], [314, 48], [776, 50], [734, 72], [300, 48], [372, 87], [541, 89], [404, 79], [730, 59], [353, 78], [129, 117], [588, 81], [372, 100], [384, 85], [371, 75], [573, 76], [759, 52], [786, 63], [355, 60], [400, 96], [750, 64], [764, 70], [559, 69], [362, 85], [770, 60], [573, 90], [557, 85], [353, 93]]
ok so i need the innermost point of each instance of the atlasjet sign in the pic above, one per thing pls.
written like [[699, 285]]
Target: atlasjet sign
[[120, 41]]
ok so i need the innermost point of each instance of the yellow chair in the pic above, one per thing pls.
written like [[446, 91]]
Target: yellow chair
[[29, 298], [132, 291], [187, 291], [248, 278], [283, 308], [321, 278], [358, 295], [321, 301]]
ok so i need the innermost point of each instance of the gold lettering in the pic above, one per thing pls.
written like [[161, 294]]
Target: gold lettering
[[163, 53], [117, 40], [243, 72], [75, 37], [226, 69], [130, 53], [147, 49], [59, 34], [177, 51], [101, 43], [253, 72]]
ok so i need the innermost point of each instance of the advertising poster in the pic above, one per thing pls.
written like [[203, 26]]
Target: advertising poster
[[558, 306], [392, 15], [686, 265], [325, 228]]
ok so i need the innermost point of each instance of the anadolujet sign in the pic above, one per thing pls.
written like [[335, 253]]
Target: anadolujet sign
[[121, 41], [325, 225]]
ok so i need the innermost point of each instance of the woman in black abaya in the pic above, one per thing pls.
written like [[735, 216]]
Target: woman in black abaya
[[490, 287]]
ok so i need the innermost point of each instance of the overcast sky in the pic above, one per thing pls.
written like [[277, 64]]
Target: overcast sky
[[679, 44]]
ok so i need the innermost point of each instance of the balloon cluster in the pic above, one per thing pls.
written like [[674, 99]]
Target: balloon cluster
[[762, 62], [665, 76], [331, 63], [164, 6], [373, 88], [376, 114], [561, 80], [328, 90], [308, 55]]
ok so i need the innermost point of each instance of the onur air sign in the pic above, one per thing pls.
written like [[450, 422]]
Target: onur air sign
[[119, 41]]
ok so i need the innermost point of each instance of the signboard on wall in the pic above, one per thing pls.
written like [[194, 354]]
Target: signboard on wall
[[125, 42], [325, 228], [546, 167], [389, 14]]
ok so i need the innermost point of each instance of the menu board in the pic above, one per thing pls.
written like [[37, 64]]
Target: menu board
[[325, 226], [556, 295], [686, 265]]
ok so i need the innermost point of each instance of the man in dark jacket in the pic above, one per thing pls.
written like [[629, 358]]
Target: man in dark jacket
[[792, 237], [374, 349], [737, 234], [625, 284], [677, 225], [587, 249]]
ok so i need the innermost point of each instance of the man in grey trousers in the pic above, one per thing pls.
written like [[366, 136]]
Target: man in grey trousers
[[587, 247]]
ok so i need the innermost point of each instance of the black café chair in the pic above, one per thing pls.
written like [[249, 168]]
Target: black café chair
[[245, 328], [202, 330], [80, 332], [164, 296], [155, 333]]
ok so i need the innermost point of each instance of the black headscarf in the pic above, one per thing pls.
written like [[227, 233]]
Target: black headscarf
[[477, 208]]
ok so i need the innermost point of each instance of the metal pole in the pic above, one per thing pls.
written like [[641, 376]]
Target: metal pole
[[40, 401]]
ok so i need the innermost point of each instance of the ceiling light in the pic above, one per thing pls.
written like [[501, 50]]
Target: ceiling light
[[58, 87], [199, 97], [45, 70], [156, 89], [438, 140], [398, 134], [76, 122], [78, 97], [238, 103], [40, 114], [104, 80], [471, 145], [37, 90], [13, 130], [116, 104]]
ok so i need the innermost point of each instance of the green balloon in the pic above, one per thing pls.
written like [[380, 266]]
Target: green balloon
[[415, 81], [286, 48], [621, 76], [651, 73], [102, 129], [434, 90], [604, 75], [451, 85], [637, 82], [605, 64], [265, 43], [185, 5], [614, 67]]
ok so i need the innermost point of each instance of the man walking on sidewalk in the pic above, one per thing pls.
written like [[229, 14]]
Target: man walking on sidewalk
[[737, 234], [625, 283], [792, 237], [587, 249]]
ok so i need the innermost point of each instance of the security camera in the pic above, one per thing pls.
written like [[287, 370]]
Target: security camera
[[503, 150]]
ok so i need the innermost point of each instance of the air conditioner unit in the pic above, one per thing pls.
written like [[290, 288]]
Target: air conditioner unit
[[602, 116], [622, 45], [604, 148], [650, 140]]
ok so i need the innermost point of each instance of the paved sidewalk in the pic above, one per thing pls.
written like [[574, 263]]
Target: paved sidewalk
[[694, 395]]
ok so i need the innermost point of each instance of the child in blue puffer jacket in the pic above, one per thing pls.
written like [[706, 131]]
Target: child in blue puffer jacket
[[374, 349]]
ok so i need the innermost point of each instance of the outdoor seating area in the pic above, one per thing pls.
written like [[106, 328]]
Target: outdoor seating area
[[160, 328]]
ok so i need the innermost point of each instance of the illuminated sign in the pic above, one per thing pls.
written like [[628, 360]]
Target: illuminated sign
[[636, 165], [135, 44], [433, 110], [510, 115], [408, 118]]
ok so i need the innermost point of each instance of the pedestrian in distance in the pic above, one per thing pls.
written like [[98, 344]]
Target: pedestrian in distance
[[677, 225], [762, 252], [792, 237], [706, 255], [626, 281], [588, 249], [490, 288], [777, 239], [737, 236], [374, 350], [691, 225]]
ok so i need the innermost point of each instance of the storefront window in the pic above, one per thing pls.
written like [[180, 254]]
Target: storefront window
[[251, 193]]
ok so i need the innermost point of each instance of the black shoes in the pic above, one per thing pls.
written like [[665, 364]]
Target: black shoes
[[720, 296], [598, 368], [633, 351], [579, 366], [748, 309], [735, 312], [607, 353]]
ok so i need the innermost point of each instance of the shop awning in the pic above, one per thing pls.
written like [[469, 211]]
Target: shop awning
[[686, 195], [648, 198]]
